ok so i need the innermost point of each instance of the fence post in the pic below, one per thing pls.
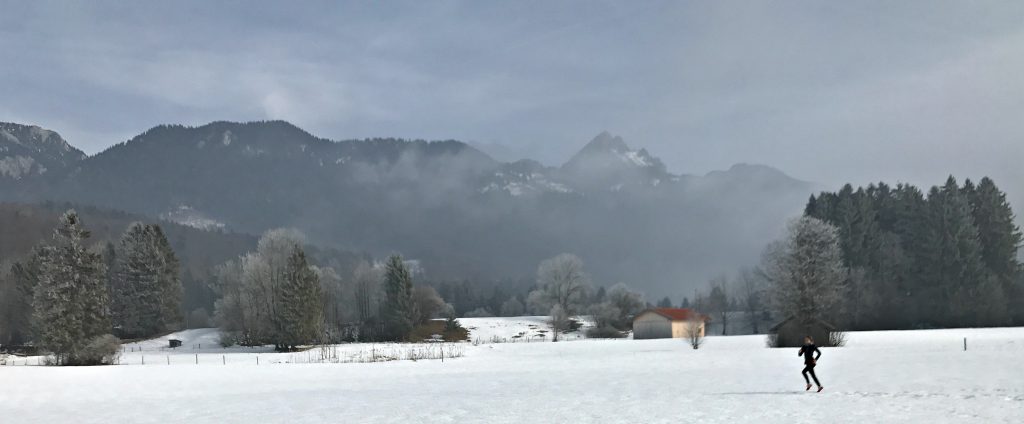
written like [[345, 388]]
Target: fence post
[[224, 359], [197, 359], [168, 359], [965, 344], [143, 359], [257, 359]]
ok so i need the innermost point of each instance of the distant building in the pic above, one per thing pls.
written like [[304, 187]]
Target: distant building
[[173, 343], [791, 332], [666, 323]]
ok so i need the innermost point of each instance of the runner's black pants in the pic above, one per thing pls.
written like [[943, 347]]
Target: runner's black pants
[[809, 368]]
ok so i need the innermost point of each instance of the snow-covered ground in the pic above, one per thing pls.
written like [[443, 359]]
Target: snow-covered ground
[[898, 376], [527, 329]]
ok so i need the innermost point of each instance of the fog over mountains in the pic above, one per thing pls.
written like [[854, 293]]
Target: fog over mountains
[[463, 214]]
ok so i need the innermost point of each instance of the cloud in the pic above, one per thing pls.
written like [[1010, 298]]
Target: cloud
[[828, 92]]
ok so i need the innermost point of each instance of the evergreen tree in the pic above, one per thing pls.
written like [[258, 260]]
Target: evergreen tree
[[665, 302], [999, 236], [300, 312], [71, 301], [136, 287], [397, 308], [960, 282], [169, 284], [16, 299], [146, 287]]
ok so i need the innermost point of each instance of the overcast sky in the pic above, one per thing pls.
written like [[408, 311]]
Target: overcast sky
[[826, 91]]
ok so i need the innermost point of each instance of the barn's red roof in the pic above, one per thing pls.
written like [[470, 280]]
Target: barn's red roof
[[675, 314]]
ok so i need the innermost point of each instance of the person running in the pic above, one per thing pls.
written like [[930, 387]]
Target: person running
[[808, 351]]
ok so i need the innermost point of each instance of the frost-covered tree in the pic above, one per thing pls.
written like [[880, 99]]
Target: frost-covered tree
[[512, 308], [560, 281], [252, 287], [367, 280], [605, 315], [718, 302], [805, 270], [427, 304], [71, 302], [750, 292], [694, 330], [629, 303], [559, 321], [338, 304]]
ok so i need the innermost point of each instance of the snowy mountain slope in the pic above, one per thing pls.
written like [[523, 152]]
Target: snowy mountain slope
[[28, 151]]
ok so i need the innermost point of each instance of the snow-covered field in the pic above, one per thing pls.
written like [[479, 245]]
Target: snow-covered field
[[905, 376]]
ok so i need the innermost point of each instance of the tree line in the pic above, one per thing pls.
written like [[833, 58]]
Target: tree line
[[74, 300], [948, 258], [274, 295], [883, 257]]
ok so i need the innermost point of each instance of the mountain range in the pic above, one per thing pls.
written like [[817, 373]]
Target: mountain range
[[463, 214]]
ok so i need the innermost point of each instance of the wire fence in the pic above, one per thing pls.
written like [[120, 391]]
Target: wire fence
[[326, 354]]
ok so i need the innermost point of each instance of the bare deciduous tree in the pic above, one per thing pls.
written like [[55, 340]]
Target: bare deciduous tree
[[559, 321], [427, 304], [750, 291], [367, 281], [561, 281], [695, 330]]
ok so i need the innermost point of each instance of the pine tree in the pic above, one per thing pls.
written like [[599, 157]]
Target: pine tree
[[665, 302], [146, 286], [396, 309], [168, 281], [999, 237], [954, 263], [16, 299], [300, 309], [136, 294], [71, 301]]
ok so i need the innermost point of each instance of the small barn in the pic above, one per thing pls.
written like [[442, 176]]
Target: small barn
[[174, 343], [791, 331], [666, 323]]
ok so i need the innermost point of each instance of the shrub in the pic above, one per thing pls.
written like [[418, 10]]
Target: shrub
[[230, 338], [448, 332], [480, 312], [837, 339], [604, 333], [101, 350], [199, 318]]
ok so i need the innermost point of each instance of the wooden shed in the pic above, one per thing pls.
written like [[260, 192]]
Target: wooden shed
[[666, 323], [174, 343], [791, 331]]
